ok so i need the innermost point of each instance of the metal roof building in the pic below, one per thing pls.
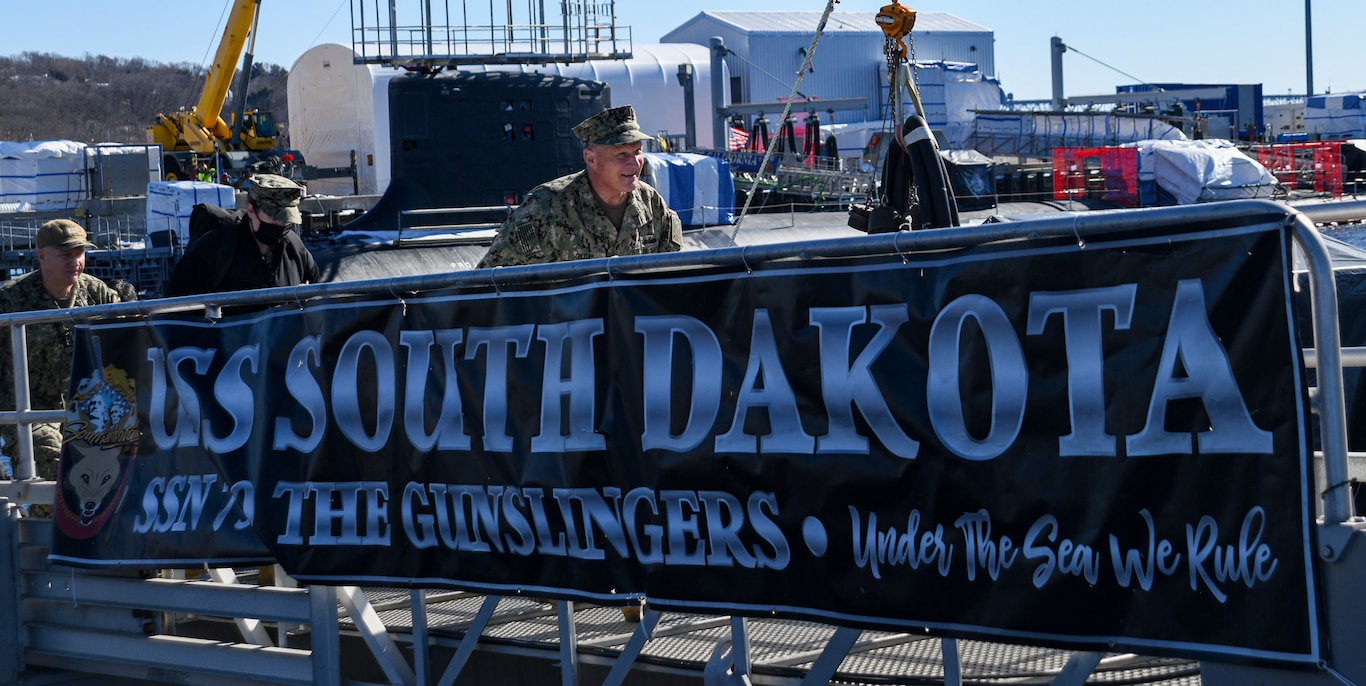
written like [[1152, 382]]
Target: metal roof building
[[767, 49]]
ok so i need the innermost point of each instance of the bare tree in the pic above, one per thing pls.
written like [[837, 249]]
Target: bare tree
[[99, 99]]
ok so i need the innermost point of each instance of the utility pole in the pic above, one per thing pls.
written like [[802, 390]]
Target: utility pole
[[685, 79], [1308, 50], [1055, 50], [720, 127]]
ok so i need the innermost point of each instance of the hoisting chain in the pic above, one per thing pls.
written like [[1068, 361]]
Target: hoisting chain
[[896, 22]]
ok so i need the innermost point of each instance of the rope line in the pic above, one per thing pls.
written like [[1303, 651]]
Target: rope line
[[787, 109]]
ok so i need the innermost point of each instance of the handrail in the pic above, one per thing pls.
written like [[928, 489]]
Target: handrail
[[1354, 356], [1051, 226], [430, 211], [1331, 397], [1339, 211]]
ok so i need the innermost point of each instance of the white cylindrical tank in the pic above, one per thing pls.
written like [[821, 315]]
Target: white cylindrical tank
[[336, 106], [648, 81]]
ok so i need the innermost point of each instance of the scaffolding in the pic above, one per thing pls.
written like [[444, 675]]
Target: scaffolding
[[414, 35]]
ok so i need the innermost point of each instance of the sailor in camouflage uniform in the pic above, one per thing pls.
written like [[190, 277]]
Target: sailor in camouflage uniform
[[59, 282], [602, 211]]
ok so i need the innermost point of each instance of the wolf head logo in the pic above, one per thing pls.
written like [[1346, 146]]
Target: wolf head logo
[[92, 476], [100, 439]]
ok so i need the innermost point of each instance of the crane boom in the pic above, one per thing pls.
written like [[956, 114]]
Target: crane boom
[[203, 129], [241, 22]]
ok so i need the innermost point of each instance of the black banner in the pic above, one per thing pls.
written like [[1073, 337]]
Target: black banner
[[1095, 444]]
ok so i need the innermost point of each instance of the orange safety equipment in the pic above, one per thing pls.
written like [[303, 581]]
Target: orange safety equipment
[[896, 22]]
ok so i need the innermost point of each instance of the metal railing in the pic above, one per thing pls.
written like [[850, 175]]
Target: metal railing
[[318, 606], [1332, 406], [408, 220]]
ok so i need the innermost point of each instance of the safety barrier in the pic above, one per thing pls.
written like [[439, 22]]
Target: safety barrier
[[1107, 173], [1315, 166]]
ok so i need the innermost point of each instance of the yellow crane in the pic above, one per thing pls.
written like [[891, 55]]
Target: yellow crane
[[202, 130]]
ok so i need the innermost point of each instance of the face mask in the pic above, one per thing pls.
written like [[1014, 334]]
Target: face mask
[[270, 234]]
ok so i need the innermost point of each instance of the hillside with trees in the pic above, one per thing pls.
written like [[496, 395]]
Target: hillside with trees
[[97, 99]]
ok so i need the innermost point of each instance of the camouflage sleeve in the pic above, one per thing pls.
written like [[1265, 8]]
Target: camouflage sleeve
[[8, 432], [11, 300], [665, 224], [671, 233], [522, 237], [508, 247], [93, 291]]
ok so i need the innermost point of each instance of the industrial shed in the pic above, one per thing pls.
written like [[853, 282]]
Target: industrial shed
[[767, 49]]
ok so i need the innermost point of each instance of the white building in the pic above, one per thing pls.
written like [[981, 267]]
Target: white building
[[767, 51]]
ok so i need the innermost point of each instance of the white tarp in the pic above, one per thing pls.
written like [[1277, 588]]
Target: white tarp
[[42, 175], [1203, 170], [169, 204], [335, 107], [1336, 116], [698, 187], [965, 92]]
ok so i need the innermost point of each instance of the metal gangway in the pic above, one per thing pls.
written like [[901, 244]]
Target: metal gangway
[[220, 625]]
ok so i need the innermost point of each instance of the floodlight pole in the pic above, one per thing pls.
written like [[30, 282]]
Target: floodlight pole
[[1308, 51]]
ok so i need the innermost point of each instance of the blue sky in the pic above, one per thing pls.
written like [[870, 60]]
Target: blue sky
[[1194, 41]]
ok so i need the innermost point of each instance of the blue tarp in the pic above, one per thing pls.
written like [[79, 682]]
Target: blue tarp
[[698, 187], [1336, 116]]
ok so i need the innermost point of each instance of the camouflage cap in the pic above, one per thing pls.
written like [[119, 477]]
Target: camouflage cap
[[277, 196], [64, 235], [614, 126]]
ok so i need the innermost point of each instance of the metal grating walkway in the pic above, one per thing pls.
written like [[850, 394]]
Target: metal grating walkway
[[781, 651]]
